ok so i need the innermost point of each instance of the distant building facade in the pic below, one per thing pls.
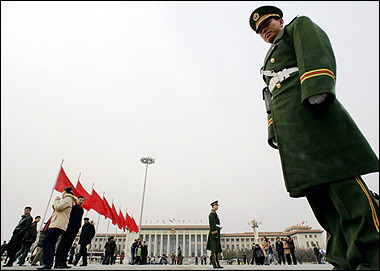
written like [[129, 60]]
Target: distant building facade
[[165, 239]]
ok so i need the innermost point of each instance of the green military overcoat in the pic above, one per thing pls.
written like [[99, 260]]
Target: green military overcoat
[[317, 144], [213, 241]]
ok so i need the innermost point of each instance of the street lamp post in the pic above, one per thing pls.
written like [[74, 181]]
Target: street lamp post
[[145, 160]]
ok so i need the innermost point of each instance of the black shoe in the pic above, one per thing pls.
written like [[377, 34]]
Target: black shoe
[[83, 265], [45, 267], [8, 265]]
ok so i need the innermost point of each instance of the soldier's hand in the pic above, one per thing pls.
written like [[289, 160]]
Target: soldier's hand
[[317, 99]]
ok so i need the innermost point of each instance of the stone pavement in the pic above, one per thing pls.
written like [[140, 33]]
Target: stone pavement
[[305, 266]]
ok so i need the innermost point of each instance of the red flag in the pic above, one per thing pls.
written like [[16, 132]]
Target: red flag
[[97, 203], [87, 197], [114, 215], [134, 226], [128, 222], [107, 209], [122, 220], [63, 182]]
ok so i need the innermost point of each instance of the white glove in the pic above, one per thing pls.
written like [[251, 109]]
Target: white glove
[[274, 142], [317, 99]]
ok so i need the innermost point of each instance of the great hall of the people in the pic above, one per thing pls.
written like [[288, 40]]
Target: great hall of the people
[[165, 239]]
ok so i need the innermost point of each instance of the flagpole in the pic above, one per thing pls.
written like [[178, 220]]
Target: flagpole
[[126, 242], [51, 194]]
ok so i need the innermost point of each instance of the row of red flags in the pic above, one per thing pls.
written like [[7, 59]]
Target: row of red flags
[[98, 204]]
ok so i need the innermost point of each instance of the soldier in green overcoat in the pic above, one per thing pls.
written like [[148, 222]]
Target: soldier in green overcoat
[[213, 241], [323, 153]]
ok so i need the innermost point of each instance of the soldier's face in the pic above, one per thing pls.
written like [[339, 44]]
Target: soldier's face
[[270, 29]]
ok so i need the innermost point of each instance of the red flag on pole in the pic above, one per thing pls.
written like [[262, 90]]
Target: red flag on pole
[[128, 222], [134, 226], [87, 197], [122, 220], [97, 203], [63, 181], [107, 209], [114, 215]]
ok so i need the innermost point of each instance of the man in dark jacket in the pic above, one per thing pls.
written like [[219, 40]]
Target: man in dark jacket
[[110, 250], [280, 250], [19, 232], [144, 253], [27, 241], [86, 235], [68, 237]]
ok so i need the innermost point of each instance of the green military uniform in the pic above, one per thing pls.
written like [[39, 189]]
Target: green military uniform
[[213, 241], [320, 146]]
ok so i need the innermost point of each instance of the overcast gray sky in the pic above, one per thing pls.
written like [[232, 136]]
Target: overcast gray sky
[[102, 84]]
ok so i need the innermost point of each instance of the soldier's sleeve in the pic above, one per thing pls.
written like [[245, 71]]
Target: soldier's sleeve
[[271, 136], [315, 60]]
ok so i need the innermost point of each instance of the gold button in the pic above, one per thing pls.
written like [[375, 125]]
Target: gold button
[[278, 85], [272, 60]]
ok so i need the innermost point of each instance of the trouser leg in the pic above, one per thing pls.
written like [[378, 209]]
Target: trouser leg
[[49, 243], [25, 251], [328, 217], [83, 252], [294, 259], [214, 259], [360, 224], [288, 259], [64, 247], [38, 255]]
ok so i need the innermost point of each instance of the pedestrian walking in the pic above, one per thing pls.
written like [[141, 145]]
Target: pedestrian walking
[[38, 257], [292, 249], [144, 252], [259, 255], [59, 222], [287, 251], [280, 250], [253, 249], [72, 253], [317, 254], [265, 248], [121, 257], [27, 241], [133, 251], [86, 235], [109, 250], [15, 243], [68, 236], [300, 73], [138, 254]]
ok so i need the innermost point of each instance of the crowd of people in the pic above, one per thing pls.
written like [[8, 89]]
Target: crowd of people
[[56, 238], [264, 254]]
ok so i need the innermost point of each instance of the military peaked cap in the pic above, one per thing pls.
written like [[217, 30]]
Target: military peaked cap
[[214, 202], [263, 13]]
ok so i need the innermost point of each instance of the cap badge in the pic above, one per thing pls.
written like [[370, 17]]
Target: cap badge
[[256, 16]]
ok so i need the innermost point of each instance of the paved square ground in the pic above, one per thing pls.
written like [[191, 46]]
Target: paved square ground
[[306, 266]]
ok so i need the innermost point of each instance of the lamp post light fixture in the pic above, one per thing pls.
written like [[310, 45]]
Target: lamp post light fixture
[[145, 160]]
